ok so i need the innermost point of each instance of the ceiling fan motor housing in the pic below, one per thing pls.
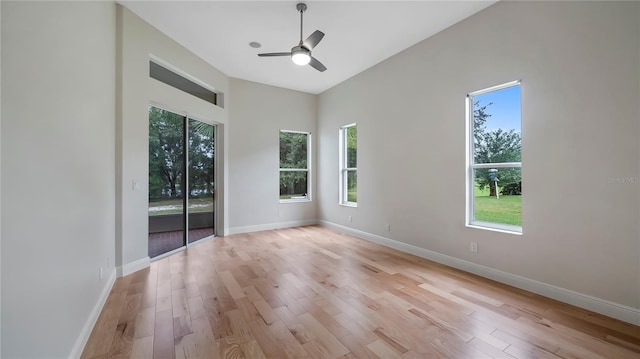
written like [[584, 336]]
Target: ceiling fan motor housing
[[300, 49]]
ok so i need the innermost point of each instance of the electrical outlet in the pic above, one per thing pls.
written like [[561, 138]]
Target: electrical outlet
[[388, 228], [473, 247], [350, 219], [101, 273]]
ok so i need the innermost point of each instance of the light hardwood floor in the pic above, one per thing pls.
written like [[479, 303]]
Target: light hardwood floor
[[312, 292]]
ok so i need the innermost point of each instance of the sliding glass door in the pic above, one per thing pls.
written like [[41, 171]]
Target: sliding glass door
[[201, 180], [181, 181]]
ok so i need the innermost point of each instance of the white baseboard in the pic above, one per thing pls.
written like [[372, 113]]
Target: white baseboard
[[269, 226], [80, 343], [610, 309], [133, 266]]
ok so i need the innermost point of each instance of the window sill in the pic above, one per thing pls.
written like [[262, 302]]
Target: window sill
[[295, 200], [349, 204], [502, 228]]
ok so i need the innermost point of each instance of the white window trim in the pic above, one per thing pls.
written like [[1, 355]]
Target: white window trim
[[470, 166], [343, 170], [308, 198]]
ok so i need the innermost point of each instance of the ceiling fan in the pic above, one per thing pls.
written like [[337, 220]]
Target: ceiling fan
[[301, 54]]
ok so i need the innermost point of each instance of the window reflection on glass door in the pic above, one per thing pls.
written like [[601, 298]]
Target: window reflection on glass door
[[201, 180], [166, 181], [181, 183]]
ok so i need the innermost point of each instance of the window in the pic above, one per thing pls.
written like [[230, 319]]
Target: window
[[295, 160], [494, 176], [349, 165], [173, 79]]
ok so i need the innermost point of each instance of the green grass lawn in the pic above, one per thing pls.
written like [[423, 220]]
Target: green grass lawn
[[174, 206], [352, 195], [506, 209]]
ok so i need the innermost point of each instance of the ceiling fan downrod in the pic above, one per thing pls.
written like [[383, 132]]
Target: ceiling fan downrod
[[302, 7]]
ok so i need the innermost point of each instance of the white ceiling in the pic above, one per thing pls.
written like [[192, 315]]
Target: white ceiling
[[358, 34]]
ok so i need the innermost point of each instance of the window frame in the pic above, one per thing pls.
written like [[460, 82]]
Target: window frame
[[471, 166], [343, 169], [308, 198]]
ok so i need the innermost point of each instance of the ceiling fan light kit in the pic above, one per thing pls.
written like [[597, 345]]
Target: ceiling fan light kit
[[301, 54]]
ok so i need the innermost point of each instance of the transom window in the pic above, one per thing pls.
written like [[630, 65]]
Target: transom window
[[295, 159], [349, 165], [494, 178]]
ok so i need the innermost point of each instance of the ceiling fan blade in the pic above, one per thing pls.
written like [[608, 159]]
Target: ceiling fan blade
[[317, 64], [313, 39], [271, 54]]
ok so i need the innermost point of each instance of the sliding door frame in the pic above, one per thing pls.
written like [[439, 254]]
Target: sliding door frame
[[185, 181]]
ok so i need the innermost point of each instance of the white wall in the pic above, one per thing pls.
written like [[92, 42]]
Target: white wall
[[137, 41], [0, 185], [579, 63], [258, 113], [58, 136]]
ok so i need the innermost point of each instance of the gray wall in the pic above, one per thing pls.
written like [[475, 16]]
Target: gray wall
[[258, 113], [579, 65], [0, 188], [58, 136], [137, 40]]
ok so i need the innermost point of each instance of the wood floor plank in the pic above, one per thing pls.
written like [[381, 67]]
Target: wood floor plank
[[354, 329], [227, 348], [145, 323], [224, 298], [358, 346], [142, 348], [239, 326], [392, 342], [442, 324], [218, 320], [252, 293], [296, 328], [266, 340], [251, 350], [182, 326], [489, 349], [382, 351], [312, 292], [232, 285], [493, 341], [206, 346], [519, 347], [185, 347], [267, 314], [179, 303], [287, 341], [177, 281], [196, 307], [323, 336], [163, 343], [125, 331], [164, 303], [632, 346], [106, 326], [191, 290]]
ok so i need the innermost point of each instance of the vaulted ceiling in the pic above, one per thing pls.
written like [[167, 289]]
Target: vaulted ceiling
[[359, 34]]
